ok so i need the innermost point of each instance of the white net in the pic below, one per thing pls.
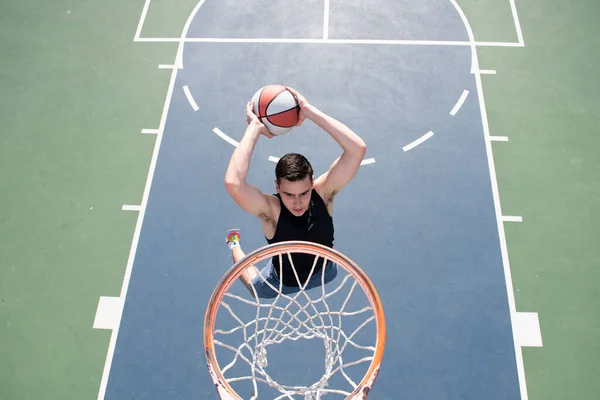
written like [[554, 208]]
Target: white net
[[334, 317]]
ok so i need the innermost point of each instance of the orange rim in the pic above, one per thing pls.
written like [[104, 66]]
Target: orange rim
[[221, 385]]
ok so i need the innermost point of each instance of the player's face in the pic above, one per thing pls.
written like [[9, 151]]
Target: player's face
[[295, 195]]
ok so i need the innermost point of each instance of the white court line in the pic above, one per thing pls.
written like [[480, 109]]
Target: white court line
[[529, 333], [487, 71], [513, 8], [512, 218], [498, 209], [228, 139], [108, 313], [488, 148], [499, 138], [326, 21], [166, 66], [418, 141], [149, 131], [331, 41], [188, 94], [127, 207], [367, 161], [138, 31], [184, 31], [136, 235], [459, 103], [274, 159], [502, 237]]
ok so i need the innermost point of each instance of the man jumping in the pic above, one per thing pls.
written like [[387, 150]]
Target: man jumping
[[301, 209]]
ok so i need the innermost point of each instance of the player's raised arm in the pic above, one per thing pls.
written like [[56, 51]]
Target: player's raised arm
[[345, 167], [247, 196]]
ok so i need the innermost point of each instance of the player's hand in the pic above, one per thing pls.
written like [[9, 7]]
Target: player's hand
[[302, 103], [253, 120]]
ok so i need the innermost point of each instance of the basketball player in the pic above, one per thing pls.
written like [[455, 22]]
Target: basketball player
[[302, 209]]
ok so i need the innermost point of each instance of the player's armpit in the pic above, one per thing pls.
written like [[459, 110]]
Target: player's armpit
[[339, 175]]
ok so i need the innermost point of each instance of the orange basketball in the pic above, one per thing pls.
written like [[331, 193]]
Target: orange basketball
[[277, 108]]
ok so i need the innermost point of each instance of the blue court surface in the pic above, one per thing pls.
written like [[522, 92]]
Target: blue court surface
[[420, 220]]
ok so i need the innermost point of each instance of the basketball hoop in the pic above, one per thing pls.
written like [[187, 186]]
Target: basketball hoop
[[274, 323]]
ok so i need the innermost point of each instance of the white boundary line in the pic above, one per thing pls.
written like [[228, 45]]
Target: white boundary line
[[149, 131], [138, 31], [513, 8], [499, 138], [418, 141], [326, 21], [228, 139], [459, 103], [136, 235], [166, 66], [188, 94], [499, 223], [331, 41], [487, 71]]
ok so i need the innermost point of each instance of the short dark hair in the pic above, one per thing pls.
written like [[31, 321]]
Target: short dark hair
[[293, 167]]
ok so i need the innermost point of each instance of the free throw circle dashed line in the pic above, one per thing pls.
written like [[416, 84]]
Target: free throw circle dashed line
[[234, 143], [225, 137], [459, 103], [418, 141], [188, 94]]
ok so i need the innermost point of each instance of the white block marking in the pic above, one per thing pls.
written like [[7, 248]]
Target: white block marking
[[274, 159], [108, 313], [166, 66], [527, 329], [499, 138], [418, 141], [127, 207], [150, 131], [188, 94], [487, 72], [459, 103], [512, 218]]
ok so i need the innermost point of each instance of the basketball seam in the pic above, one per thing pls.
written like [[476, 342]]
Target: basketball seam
[[281, 112], [270, 101]]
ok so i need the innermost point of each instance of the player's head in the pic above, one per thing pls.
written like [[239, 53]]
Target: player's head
[[294, 182]]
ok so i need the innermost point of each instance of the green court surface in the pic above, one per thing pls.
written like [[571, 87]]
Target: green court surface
[[77, 91]]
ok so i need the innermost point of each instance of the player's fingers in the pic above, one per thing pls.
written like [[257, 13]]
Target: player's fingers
[[267, 133], [294, 93]]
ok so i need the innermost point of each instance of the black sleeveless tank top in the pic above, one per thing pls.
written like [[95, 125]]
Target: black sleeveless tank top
[[315, 225]]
